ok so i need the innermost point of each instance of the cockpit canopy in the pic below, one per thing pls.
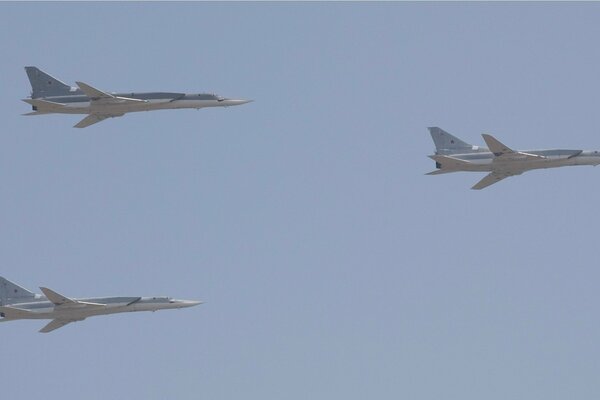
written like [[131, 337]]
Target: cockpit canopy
[[163, 299]]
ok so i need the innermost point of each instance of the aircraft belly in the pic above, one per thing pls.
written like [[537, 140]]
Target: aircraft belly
[[548, 163], [481, 165], [84, 313], [87, 108], [83, 104], [69, 108], [513, 166], [127, 108], [477, 168], [551, 162], [477, 165], [193, 103], [117, 109], [46, 314]]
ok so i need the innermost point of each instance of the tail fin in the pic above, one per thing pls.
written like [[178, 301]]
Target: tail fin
[[44, 85], [445, 143], [11, 293]]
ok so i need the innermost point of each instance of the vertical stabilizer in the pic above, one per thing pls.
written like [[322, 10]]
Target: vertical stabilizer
[[446, 143], [44, 85], [11, 293]]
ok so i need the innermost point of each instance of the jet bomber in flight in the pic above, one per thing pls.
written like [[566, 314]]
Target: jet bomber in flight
[[452, 155], [19, 303], [49, 96]]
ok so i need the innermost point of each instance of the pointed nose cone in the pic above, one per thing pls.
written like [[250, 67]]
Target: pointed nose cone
[[235, 102], [190, 303]]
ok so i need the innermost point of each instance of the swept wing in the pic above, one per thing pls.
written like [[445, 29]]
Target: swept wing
[[98, 97], [92, 119], [63, 301], [93, 93], [505, 153], [56, 298], [493, 177], [57, 323]]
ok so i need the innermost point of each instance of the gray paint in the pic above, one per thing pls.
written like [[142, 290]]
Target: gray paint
[[44, 85], [453, 155], [100, 105], [20, 303]]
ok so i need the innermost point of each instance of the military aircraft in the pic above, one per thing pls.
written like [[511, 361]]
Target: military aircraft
[[49, 96], [452, 155], [19, 303]]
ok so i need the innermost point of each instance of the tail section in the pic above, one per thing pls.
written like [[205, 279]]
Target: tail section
[[8, 313], [446, 164], [11, 293], [44, 106], [44, 85], [446, 143]]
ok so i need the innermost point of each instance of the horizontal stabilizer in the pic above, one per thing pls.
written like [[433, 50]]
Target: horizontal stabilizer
[[44, 105], [448, 162], [56, 298], [441, 171], [14, 312], [58, 323], [35, 113]]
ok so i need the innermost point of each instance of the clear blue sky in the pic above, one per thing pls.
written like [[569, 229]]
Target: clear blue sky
[[331, 266]]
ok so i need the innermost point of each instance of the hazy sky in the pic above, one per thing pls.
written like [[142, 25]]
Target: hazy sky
[[331, 266]]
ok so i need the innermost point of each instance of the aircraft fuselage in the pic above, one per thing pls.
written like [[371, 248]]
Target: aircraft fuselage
[[453, 154], [51, 96], [81, 104], [89, 307], [486, 161]]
